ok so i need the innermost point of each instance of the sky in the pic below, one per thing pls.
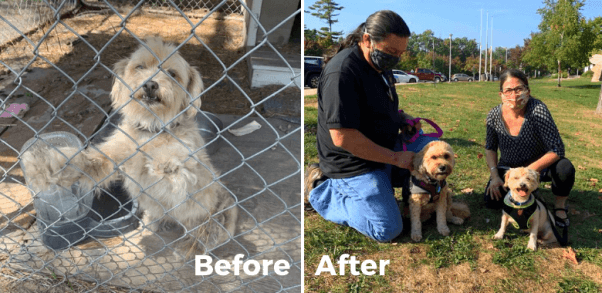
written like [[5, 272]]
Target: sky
[[513, 20]]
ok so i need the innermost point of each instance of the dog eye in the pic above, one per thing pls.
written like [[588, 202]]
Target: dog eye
[[172, 73], [140, 67], [446, 156], [433, 157]]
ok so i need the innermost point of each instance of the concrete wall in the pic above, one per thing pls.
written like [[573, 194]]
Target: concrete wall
[[272, 13]]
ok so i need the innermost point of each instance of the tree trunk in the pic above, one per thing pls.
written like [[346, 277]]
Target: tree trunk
[[599, 108], [559, 73]]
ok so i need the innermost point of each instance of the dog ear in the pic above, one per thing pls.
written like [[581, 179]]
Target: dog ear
[[452, 156], [195, 88], [418, 158], [506, 177], [535, 173], [118, 84], [120, 66]]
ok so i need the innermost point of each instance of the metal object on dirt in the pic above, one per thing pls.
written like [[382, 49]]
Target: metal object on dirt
[[67, 216], [210, 126]]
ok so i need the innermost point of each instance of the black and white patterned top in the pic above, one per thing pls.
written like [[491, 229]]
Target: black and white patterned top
[[538, 135]]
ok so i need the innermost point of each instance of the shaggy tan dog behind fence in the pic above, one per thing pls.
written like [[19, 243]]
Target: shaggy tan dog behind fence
[[162, 166], [430, 191], [524, 210]]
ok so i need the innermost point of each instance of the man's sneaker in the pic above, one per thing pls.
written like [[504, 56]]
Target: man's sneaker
[[312, 174]]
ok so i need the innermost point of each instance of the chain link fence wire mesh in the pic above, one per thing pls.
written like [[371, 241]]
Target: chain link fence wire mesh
[[57, 61]]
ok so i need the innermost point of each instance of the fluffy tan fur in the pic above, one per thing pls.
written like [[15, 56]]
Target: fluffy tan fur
[[522, 182], [434, 162], [166, 171]]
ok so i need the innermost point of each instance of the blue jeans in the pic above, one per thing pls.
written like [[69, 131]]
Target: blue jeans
[[364, 202]]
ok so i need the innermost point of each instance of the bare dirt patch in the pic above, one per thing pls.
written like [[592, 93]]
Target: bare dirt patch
[[310, 92], [311, 104], [411, 271]]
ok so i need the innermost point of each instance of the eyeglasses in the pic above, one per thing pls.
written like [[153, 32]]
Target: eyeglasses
[[517, 90]]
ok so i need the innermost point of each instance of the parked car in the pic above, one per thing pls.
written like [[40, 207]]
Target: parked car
[[461, 77], [313, 69], [401, 76], [427, 74], [443, 76]]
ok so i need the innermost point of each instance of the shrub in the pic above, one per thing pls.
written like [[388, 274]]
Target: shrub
[[564, 75]]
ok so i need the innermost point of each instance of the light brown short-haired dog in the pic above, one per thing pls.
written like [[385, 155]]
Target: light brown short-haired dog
[[524, 210], [430, 192], [156, 150]]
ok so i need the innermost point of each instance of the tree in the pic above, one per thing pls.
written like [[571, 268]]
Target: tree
[[537, 54], [592, 36], [596, 27], [560, 31], [407, 62], [471, 65], [515, 57], [325, 11]]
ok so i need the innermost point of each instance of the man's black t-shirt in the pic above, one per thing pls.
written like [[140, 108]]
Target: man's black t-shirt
[[352, 94]]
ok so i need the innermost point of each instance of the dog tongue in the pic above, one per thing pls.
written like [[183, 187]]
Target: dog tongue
[[522, 193]]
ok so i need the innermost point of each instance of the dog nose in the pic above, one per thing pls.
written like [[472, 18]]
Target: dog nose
[[523, 185], [150, 87], [442, 168]]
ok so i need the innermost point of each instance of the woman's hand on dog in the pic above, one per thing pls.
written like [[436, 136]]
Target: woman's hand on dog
[[404, 160], [494, 188]]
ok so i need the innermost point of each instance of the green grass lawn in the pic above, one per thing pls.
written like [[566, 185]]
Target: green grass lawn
[[469, 260]]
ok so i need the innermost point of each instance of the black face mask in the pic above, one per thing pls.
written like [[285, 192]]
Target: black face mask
[[383, 61]]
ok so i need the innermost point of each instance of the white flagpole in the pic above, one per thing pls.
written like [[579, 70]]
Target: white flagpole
[[480, 44], [491, 57], [486, 44]]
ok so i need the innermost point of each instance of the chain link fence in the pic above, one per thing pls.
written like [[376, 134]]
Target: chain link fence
[[59, 63]]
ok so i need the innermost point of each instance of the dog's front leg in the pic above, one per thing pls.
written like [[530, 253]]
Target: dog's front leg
[[45, 166], [533, 233], [441, 210], [100, 162], [504, 225], [175, 169], [415, 208]]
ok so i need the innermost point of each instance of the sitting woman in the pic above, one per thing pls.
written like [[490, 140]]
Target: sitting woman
[[523, 130]]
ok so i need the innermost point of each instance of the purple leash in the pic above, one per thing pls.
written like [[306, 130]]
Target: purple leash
[[412, 122]]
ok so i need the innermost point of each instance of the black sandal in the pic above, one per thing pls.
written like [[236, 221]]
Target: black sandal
[[562, 222]]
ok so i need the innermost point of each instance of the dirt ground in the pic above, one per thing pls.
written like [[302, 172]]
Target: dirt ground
[[77, 54], [65, 61]]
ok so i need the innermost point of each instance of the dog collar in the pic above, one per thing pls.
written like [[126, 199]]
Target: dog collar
[[518, 205]]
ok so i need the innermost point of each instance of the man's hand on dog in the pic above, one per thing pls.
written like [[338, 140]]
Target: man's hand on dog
[[494, 188], [404, 160]]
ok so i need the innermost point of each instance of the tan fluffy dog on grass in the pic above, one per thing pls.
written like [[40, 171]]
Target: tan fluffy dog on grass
[[523, 209], [156, 150], [432, 165]]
